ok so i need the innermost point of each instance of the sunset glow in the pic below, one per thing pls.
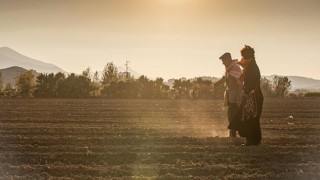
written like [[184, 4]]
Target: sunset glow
[[167, 38]]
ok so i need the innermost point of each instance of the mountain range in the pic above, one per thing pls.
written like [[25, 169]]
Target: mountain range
[[298, 82], [13, 63], [10, 57]]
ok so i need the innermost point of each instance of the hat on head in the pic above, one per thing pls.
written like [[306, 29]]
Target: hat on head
[[225, 56]]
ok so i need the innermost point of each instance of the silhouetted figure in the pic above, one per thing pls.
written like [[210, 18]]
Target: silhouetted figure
[[247, 120], [232, 95]]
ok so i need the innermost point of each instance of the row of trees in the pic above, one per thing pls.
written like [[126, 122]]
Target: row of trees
[[23, 87], [279, 87], [113, 84]]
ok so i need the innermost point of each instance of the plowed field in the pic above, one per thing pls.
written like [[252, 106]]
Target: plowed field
[[154, 139]]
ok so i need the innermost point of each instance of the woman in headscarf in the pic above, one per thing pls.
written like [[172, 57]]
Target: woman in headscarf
[[247, 120]]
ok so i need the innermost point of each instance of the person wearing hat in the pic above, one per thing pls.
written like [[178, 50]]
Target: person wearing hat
[[232, 95]]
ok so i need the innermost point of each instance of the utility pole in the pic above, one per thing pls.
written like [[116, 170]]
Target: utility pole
[[127, 69]]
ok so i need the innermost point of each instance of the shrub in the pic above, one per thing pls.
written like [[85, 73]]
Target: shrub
[[312, 94]]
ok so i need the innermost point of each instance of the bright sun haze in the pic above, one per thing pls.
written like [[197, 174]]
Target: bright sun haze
[[166, 38]]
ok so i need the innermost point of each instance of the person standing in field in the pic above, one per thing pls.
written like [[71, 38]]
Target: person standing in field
[[247, 120], [233, 90]]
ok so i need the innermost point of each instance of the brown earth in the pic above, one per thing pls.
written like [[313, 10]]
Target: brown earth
[[154, 139]]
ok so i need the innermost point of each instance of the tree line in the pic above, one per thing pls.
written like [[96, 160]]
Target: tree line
[[122, 85]]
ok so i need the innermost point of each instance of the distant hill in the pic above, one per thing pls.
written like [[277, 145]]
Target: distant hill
[[299, 82], [10, 74], [9, 58]]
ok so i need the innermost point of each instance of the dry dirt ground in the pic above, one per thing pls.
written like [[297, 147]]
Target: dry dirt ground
[[154, 139]]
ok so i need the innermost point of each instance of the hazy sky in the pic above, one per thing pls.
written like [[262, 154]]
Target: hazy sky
[[166, 38]]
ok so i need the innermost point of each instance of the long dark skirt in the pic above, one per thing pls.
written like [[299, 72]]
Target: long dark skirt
[[249, 127]]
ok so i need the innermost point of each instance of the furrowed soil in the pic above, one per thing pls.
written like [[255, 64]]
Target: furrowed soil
[[154, 139]]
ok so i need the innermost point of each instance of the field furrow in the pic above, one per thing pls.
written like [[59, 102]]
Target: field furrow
[[154, 139]]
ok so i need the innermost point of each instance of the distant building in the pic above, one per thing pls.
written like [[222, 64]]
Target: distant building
[[124, 76]]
